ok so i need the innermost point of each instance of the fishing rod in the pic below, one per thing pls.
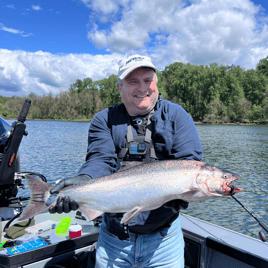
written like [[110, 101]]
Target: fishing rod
[[262, 236]]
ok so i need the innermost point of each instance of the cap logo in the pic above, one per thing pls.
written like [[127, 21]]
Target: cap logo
[[135, 59], [133, 62]]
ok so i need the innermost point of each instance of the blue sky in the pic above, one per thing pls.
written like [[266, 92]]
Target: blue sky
[[46, 45], [51, 26]]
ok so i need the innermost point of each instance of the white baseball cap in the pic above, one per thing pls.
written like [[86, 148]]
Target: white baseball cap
[[132, 63]]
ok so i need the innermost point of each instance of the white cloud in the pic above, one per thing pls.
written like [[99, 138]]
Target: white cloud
[[99, 37], [10, 30], [14, 31], [11, 6], [37, 8], [24, 72], [106, 10], [199, 32], [105, 6]]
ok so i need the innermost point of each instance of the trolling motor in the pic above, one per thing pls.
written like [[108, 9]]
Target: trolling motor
[[263, 237], [9, 160]]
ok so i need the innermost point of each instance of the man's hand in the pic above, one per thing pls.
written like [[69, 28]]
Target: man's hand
[[66, 204]]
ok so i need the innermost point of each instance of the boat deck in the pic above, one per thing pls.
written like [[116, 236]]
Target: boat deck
[[206, 246]]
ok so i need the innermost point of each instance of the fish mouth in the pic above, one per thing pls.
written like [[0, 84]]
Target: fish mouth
[[230, 189], [235, 190]]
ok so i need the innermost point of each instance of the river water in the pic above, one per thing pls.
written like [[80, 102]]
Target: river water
[[57, 150]]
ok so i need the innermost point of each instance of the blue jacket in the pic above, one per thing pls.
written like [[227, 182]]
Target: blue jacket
[[174, 136], [173, 132]]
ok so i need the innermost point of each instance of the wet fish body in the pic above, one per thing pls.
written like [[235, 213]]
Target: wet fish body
[[143, 187]]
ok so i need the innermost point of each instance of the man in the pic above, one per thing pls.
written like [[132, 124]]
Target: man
[[142, 128]]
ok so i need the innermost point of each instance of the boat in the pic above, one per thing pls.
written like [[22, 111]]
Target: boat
[[206, 245]]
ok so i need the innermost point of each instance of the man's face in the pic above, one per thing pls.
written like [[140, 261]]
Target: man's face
[[139, 91]]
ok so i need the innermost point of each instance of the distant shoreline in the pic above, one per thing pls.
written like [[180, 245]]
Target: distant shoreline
[[196, 123], [63, 120], [234, 124]]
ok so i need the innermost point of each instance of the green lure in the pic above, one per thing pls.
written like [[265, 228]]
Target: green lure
[[64, 225]]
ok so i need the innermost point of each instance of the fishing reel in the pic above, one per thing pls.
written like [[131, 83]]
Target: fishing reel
[[9, 192], [263, 237]]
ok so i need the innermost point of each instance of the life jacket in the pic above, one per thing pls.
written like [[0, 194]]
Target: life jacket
[[141, 147]]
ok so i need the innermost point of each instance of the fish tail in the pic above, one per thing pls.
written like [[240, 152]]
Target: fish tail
[[39, 194]]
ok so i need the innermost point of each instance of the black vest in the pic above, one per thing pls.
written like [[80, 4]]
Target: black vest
[[141, 147]]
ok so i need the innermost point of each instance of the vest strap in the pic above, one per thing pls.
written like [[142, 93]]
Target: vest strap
[[129, 134], [152, 153], [122, 153], [148, 135]]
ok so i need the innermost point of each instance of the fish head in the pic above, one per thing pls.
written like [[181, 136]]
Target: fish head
[[215, 182]]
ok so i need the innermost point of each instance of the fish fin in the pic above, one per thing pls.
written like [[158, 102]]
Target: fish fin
[[89, 213], [39, 193], [126, 165], [131, 215]]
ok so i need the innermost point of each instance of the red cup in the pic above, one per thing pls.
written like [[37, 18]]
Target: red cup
[[75, 231]]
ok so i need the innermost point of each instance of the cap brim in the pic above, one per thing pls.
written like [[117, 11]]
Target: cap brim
[[128, 71]]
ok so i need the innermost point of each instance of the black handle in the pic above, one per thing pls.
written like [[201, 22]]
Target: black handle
[[264, 226], [24, 111]]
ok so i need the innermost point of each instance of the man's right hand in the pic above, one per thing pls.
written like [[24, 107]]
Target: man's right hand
[[66, 204]]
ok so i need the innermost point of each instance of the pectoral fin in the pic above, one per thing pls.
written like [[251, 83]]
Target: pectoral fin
[[90, 214], [131, 215]]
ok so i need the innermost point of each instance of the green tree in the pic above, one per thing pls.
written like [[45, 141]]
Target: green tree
[[257, 112], [12, 107], [184, 84], [109, 92], [161, 85], [216, 113], [262, 66], [213, 93], [79, 86], [255, 87], [243, 110], [232, 90]]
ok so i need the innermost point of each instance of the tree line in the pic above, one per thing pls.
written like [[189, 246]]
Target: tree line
[[211, 94]]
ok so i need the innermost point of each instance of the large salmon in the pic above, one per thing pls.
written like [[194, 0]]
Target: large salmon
[[143, 187]]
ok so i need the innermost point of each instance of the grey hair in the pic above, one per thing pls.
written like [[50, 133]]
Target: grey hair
[[119, 81]]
